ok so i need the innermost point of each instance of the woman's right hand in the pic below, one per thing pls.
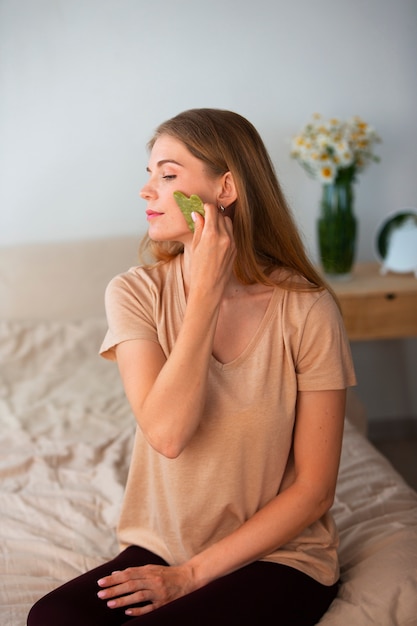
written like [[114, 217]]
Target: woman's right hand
[[209, 261]]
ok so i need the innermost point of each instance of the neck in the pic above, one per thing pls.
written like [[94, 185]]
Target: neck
[[232, 289]]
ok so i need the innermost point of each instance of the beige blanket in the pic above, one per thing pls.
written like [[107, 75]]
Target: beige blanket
[[65, 439]]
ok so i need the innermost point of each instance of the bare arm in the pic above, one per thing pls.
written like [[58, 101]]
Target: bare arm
[[167, 395]]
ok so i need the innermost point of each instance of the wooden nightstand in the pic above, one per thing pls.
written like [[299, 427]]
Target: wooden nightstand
[[376, 306]]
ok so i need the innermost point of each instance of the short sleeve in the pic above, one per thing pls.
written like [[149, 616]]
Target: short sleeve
[[129, 313], [324, 359]]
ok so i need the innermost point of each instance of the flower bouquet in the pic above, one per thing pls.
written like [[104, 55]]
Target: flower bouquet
[[334, 152], [326, 148]]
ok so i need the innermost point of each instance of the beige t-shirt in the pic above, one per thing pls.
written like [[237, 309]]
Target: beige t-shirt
[[238, 458]]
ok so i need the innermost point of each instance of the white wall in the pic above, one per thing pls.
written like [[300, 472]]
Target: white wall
[[85, 82]]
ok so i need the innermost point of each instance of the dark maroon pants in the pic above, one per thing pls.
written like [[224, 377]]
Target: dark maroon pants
[[260, 593]]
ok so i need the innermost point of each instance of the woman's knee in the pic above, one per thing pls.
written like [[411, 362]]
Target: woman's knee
[[76, 602], [43, 613]]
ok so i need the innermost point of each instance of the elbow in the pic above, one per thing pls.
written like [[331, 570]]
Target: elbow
[[170, 451], [326, 505], [166, 441], [169, 447], [324, 502], [320, 501]]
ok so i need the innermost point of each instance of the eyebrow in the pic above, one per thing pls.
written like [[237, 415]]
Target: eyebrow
[[164, 161]]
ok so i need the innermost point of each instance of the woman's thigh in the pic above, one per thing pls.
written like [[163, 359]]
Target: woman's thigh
[[76, 603], [260, 593]]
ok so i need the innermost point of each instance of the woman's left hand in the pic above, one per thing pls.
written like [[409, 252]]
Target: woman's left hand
[[157, 584]]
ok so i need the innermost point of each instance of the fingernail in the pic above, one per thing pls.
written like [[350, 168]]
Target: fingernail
[[193, 216], [111, 603], [101, 594], [100, 582]]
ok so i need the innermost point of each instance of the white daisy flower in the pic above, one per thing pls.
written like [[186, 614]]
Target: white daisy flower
[[325, 147]]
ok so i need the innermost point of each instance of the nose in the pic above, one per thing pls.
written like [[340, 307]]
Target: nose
[[147, 192]]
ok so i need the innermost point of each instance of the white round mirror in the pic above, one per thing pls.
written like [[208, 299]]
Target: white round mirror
[[396, 242]]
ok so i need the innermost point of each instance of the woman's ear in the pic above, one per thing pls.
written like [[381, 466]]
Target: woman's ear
[[228, 192]]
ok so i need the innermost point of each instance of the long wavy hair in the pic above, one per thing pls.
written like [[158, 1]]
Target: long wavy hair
[[264, 229]]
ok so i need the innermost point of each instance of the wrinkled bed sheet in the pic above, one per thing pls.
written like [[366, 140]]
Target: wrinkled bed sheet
[[65, 440]]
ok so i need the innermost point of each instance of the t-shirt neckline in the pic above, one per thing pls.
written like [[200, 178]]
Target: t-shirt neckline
[[271, 308]]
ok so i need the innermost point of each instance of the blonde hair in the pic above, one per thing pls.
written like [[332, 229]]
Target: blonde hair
[[264, 229]]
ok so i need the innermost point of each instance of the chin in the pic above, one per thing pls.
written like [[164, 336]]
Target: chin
[[177, 237]]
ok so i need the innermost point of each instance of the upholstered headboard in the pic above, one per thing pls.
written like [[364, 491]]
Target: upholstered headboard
[[61, 281]]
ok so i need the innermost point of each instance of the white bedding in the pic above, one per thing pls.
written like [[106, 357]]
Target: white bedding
[[65, 439]]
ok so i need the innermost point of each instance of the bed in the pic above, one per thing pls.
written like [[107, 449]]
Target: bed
[[66, 434]]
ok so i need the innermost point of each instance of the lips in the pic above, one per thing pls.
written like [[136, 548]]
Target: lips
[[151, 214]]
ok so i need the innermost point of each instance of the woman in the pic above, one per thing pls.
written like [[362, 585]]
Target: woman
[[235, 363]]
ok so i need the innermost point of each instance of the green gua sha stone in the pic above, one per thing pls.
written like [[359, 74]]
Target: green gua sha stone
[[188, 205]]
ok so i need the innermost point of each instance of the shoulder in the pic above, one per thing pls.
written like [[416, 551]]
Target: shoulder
[[310, 314], [141, 280], [313, 330], [300, 295], [307, 312], [138, 291]]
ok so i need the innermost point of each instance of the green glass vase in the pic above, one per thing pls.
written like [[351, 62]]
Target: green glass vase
[[337, 227]]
